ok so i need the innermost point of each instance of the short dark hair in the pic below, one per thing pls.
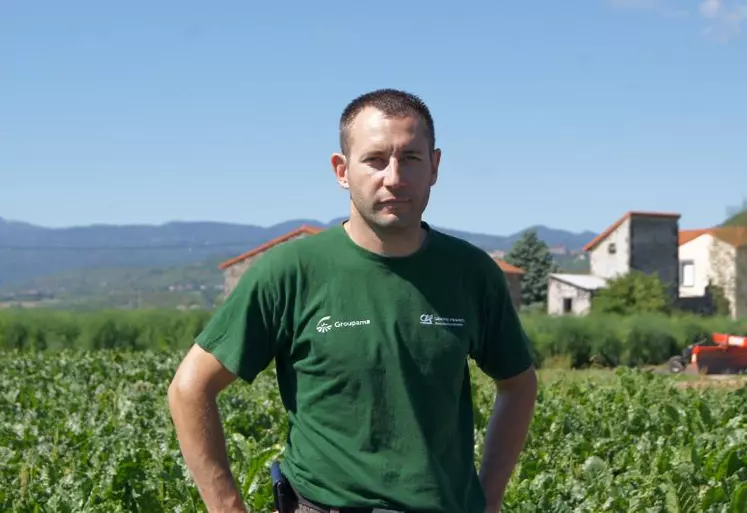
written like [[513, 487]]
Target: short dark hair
[[392, 102]]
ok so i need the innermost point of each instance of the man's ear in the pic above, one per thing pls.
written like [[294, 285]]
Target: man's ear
[[340, 168], [435, 163]]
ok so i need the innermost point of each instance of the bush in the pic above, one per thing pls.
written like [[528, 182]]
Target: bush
[[633, 293], [598, 339], [116, 329], [718, 298], [607, 344], [649, 342], [610, 340], [574, 340]]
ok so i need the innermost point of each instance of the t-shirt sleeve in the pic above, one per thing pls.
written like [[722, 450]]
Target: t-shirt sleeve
[[503, 350], [247, 330]]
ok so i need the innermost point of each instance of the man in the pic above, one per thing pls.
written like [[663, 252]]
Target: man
[[370, 324]]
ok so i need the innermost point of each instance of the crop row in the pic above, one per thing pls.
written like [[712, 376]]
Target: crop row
[[90, 431]]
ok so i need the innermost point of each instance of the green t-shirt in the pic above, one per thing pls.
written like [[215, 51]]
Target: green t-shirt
[[371, 356]]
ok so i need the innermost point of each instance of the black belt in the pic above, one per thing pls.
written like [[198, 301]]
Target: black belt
[[321, 508]]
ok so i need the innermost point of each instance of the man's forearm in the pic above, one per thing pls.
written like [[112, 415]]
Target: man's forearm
[[504, 441], [200, 433]]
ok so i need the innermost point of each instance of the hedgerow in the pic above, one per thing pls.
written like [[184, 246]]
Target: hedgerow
[[606, 340]]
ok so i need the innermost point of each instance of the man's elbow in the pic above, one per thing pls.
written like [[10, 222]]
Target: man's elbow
[[176, 391], [175, 387], [199, 376], [184, 386]]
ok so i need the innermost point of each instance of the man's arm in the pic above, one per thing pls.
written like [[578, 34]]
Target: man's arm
[[192, 400], [506, 434]]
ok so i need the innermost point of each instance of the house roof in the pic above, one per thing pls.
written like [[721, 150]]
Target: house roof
[[686, 236], [633, 213], [508, 268], [581, 281], [733, 235], [302, 230]]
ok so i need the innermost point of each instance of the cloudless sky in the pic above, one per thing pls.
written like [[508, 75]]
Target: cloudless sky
[[566, 114]]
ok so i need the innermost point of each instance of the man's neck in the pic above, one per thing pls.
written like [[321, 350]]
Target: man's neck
[[392, 244]]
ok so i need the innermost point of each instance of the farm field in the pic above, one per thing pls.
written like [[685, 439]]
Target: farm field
[[90, 431]]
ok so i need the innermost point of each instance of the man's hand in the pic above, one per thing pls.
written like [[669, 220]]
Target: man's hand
[[194, 410], [506, 434]]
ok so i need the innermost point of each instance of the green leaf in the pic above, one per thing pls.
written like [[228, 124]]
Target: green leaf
[[739, 499], [729, 464]]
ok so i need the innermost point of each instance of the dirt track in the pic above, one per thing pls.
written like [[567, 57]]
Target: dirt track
[[714, 381]]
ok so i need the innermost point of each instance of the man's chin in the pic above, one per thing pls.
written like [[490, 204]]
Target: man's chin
[[392, 221]]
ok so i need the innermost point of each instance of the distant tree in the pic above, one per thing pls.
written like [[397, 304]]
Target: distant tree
[[721, 304], [737, 215], [532, 255], [633, 293]]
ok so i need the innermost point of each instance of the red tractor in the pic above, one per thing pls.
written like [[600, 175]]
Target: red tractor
[[722, 354]]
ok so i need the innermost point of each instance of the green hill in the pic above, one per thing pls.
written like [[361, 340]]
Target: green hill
[[197, 285], [161, 266], [29, 252], [187, 286]]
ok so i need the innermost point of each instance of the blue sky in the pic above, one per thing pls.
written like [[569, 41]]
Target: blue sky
[[558, 113]]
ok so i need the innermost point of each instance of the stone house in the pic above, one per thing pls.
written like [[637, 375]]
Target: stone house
[[642, 241], [572, 293], [716, 256], [235, 267]]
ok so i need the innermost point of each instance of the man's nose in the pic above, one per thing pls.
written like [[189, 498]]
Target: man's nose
[[393, 173]]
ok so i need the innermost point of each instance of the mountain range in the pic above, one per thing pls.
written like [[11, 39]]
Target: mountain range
[[29, 252]]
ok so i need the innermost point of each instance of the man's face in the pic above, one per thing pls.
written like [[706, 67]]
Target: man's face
[[389, 170]]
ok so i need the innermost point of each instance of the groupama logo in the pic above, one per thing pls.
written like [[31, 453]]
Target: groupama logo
[[322, 326]]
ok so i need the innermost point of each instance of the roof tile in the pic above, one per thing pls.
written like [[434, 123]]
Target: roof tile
[[686, 236], [508, 268], [302, 230], [733, 235]]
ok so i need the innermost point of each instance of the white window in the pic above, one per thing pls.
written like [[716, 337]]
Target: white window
[[687, 274]]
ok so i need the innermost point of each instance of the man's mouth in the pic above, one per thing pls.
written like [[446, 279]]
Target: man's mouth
[[394, 201]]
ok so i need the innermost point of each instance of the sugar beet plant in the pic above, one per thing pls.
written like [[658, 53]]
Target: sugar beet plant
[[634, 443], [90, 431]]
